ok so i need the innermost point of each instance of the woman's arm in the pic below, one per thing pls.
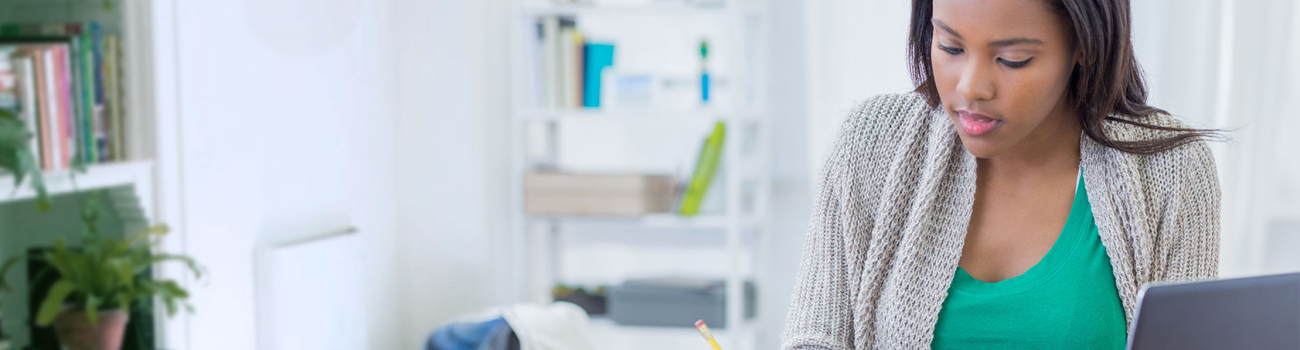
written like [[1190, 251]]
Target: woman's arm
[[1193, 219], [821, 314]]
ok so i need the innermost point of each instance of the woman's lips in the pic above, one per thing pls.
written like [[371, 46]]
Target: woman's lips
[[976, 124]]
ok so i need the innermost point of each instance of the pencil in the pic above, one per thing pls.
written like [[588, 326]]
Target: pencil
[[704, 330]]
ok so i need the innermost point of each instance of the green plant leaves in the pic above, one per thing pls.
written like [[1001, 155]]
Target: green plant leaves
[[92, 309], [18, 159], [53, 303], [107, 273], [103, 272]]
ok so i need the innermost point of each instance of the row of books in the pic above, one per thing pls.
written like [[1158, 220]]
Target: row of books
[[569, 65], [64, 81]]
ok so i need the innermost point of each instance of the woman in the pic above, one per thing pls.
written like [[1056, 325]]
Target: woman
[[1018, 198]]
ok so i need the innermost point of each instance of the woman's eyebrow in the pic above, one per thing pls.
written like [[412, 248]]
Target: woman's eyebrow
[[1015, 41], [999, 43], [940, 24]]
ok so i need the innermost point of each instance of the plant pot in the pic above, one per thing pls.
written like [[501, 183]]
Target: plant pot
[[77, 333]]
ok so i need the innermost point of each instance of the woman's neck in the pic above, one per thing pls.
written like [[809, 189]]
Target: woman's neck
[[1051, 151]]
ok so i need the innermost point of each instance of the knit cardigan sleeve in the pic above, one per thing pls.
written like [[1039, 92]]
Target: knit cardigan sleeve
[[821, 314], [1190, 231]]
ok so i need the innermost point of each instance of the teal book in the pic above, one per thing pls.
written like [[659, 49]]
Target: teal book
[[598, 56], [705, 168]]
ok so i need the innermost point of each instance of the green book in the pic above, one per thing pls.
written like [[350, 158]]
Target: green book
[[704, 169]]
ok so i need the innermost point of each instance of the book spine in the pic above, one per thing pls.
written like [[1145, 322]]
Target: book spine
[[580, 61], [96, 53], [67, 105], [53, 116], [550, 61], [83, 83], [599, 56], [566, 68], [113, 100]]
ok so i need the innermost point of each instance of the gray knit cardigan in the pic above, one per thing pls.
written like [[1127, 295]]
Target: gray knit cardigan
[[895, 197]]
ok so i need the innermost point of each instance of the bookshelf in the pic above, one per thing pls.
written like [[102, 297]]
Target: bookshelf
[[131, 174], [99, 176], [728, 234]]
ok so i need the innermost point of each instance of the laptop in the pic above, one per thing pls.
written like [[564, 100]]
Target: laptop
[[1242, 313]]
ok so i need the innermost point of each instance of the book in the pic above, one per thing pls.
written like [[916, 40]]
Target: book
[[45, 110], [65, 94], [579, 64], [705, 167], [550, 57], [598, 57], [53, 101], [567, 69], [115, 135]]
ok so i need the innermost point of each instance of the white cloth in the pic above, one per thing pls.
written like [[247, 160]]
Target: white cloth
[[557, 326]]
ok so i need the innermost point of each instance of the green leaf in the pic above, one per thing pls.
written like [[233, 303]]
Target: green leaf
[[18, 159], [4, 270], [54, 302], [92, 309], [188, 261]]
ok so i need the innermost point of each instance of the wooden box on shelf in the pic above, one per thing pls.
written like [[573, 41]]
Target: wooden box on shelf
[[556, 193]]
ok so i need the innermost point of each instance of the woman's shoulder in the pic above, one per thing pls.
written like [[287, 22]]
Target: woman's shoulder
[[881, 120], [883, 109], [1194, 153], [1169, 173]]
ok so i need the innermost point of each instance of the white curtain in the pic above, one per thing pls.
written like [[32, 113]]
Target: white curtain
[[1216, 63]]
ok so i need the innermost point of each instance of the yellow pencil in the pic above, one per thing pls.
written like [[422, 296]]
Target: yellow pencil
[[704, 330]]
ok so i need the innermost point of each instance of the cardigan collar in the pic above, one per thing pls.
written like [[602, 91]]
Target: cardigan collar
[[950, 195]]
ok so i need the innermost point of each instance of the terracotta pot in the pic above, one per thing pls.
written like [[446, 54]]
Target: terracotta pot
[[76, 332]]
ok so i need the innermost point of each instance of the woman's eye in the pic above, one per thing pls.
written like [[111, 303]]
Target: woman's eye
[[951, 50], [1015, 64]]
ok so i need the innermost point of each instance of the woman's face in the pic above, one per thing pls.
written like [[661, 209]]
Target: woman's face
[[1002, 68]]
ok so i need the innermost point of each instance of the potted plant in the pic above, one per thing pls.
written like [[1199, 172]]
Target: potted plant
[[98, 281]]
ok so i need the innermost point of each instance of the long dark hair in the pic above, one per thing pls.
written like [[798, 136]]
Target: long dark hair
[[1107, 81]]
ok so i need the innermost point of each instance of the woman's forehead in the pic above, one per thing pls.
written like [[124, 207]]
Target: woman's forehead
[[994, 21]]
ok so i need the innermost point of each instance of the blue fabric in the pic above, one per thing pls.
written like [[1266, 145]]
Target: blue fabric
[[466, 335]]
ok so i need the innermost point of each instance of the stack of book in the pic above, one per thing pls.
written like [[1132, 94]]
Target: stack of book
[[568, 65], [64, 82], [554, 193]]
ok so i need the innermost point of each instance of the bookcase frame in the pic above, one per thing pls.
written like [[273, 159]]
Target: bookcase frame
[[536, 244]]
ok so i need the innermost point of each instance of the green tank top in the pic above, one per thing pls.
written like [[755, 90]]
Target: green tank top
[[1066, 301]]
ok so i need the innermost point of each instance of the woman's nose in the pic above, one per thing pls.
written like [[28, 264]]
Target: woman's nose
[[976, 83]]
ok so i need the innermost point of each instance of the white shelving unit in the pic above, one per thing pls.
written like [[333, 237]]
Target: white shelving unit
[[136, 174], [538, 243]]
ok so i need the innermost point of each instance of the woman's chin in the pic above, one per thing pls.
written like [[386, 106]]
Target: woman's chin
[[979, 147]]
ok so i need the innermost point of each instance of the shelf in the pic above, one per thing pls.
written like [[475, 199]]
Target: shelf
[[544, 114], [96, 176], [653, 9], [656, 220]]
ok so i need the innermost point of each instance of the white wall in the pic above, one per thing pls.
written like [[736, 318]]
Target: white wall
[[449, 66], [285, 130], [856, 49], [789, 98]]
